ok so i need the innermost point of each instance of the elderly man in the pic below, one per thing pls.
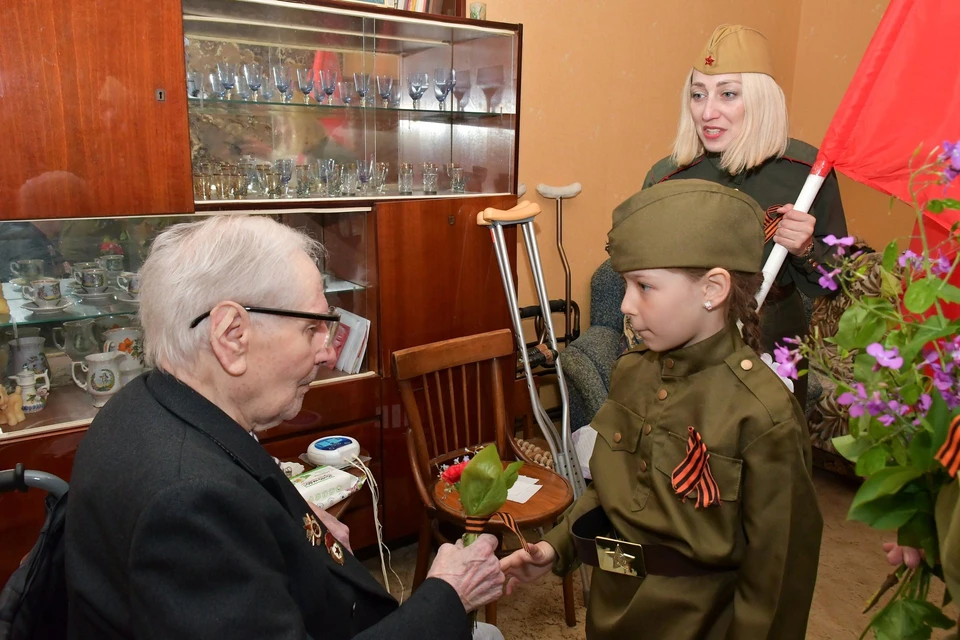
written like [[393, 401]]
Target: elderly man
[[179, 524]]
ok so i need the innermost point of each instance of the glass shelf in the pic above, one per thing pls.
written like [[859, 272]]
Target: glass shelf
[[217, 106], [113, 304]]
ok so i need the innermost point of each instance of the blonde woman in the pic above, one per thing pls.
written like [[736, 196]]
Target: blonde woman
[[733, 130]]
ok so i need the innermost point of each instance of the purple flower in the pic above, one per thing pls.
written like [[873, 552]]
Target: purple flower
[[787, 361], [876, 405], [854, 400], [832, 240], [910, 258], [951, 156], [923, 405], [889, 358], [941, 266], [826, 280], [886, 419]]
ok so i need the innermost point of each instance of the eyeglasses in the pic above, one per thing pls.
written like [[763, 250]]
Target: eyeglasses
[[329, 321]]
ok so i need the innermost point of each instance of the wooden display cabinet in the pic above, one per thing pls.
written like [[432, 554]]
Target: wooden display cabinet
[[111, 136]]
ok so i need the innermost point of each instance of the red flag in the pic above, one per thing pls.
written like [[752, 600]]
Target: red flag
[[905, 95]]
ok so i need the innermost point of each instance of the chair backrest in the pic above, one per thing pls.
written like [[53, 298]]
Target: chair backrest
[[452, 392]]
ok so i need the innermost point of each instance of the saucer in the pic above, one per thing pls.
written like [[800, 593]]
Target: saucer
[[32, 307], [126, 297], [18, 283], [94, 298]]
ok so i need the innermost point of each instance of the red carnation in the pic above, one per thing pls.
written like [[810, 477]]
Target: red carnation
[[453, 472]]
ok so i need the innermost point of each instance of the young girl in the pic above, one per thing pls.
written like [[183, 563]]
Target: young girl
[[702, 514]]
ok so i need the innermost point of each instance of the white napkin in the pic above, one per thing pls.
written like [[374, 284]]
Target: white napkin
[[523, 489]]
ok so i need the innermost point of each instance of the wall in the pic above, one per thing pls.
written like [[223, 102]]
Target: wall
[[600, 99]]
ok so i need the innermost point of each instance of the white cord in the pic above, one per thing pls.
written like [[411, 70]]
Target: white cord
[[356, 463]]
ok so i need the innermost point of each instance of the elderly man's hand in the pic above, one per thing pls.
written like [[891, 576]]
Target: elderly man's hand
[[339, 530], [474, 571]]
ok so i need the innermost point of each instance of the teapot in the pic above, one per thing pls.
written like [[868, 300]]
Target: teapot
[[103, 375], [34, 397]]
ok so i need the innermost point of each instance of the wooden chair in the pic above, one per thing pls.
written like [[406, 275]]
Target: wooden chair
[[457, 386]]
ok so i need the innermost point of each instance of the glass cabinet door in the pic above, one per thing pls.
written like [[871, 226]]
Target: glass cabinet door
[[71, 291], [302, 101]]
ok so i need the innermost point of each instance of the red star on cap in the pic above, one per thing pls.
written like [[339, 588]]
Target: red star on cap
[[709, 61]]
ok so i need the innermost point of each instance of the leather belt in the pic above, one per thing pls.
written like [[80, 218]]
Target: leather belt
[[596, 545], [778, 293]]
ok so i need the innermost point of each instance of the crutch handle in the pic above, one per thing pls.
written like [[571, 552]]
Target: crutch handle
[[569, 191], [522, 211]]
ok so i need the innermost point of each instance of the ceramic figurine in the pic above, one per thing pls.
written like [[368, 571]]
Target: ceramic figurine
[[34, 394], [11, 407]]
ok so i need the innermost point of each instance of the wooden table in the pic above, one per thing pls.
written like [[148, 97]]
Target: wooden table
[[544, 507]]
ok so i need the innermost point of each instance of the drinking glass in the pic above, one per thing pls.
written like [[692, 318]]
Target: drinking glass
[[227, 73], [396, 94], [457, 182], [462, 90], [328, 82], [417, 84], [349, 179], [305, 83], [379, 180], [444, 80], [361, 82], [253, 74], [212, 87], [430, 175], [243, 89], [490, 81], [284, 168], [384, 88], [268, 89], [405, 179], [282, 78], [304, 180], [346, 92], [194, 84]]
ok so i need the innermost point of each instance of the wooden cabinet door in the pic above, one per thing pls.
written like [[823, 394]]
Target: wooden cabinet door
[[85, 133], [439, 279]]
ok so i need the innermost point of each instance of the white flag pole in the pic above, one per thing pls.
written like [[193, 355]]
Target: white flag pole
[[804, 201]]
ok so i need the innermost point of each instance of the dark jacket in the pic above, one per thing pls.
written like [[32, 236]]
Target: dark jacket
[[180, 525]]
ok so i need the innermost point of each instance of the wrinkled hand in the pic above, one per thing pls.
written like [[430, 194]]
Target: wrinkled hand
[[527, 565], [897, 555], [474, 572], [339, 530], [795, 230]]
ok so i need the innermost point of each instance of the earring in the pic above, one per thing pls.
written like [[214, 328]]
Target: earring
[[708, 305]]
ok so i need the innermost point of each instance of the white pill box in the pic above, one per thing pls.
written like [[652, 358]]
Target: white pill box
[[325, 486]]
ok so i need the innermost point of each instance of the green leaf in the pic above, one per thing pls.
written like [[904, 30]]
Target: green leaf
[[939, 419], [899, 451], [890, 285], [921, 451], [908, 619], [859, 327], [930, 329], [934, 206], [482, 487], [949, 292], [511, 473], [890, 256], [850, 447], [885, 513], [921, 532], [884, 482], [910, 392], [921, 294], [872, 460], [944, 203]]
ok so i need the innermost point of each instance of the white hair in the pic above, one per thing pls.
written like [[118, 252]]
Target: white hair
[[764, 134], [194, 266]]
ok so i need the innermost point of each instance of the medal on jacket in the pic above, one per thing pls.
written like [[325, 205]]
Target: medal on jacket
[[693, 474], [313, 529], [333, 548]]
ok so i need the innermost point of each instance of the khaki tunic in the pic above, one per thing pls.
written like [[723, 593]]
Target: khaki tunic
[[764, 539]]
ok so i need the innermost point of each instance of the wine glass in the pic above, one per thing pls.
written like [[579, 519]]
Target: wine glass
[[212, 87], [462, 90], [284, 167], [346, 92], [417, 84], [490, 81], [328, 83], [364, 174], [253, 74], [361, 82], [305, 83], [227, 73], [384, 87], [444, 80], [282, 78], [396, 94], [243, 88], [268, 89]]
